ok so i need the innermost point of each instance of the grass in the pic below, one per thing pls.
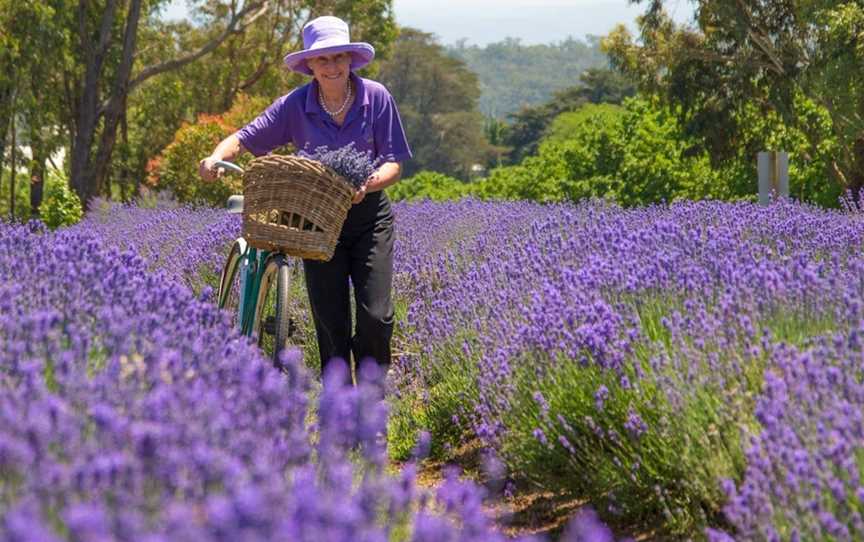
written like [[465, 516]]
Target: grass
[[441, 403]]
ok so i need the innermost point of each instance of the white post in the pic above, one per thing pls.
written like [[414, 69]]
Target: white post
[[773, 167]]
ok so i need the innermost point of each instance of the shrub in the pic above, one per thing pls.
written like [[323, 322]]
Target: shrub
[[176, 168], [60, 205], [428, 185]]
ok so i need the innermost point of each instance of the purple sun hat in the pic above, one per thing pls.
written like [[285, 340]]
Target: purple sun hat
[[326, 36]]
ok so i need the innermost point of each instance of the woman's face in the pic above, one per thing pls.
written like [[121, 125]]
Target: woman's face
[[331, 70]]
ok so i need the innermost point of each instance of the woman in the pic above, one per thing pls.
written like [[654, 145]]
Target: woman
[[335, 109]]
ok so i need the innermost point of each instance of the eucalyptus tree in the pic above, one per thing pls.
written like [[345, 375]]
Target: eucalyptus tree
[[102, 73], [97, 53], [437, 97], [781, 56], [31, 49]]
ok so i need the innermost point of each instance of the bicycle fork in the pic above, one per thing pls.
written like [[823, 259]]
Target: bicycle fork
[[251, 274], [244, 297]]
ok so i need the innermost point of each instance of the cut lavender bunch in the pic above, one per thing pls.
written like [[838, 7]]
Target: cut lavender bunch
[[351, 163]]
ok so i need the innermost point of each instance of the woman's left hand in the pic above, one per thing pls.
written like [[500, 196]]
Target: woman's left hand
[[359, 195]]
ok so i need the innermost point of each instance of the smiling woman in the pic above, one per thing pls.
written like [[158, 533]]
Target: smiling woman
[[336, 110], [331, 71]]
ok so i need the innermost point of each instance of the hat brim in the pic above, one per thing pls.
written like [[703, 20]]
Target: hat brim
[[361, 54]]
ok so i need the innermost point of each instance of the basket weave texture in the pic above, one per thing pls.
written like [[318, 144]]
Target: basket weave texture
[[294, 205]]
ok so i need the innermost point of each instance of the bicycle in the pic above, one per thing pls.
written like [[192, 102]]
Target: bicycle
[[255, 286]]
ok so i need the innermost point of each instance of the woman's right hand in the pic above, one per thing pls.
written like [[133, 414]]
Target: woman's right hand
[[208, 170]]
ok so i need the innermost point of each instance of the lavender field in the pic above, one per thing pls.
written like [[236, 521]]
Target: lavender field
[[693, 370]]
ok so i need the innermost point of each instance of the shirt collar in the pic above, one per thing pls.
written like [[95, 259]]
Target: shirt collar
[[312, 105]]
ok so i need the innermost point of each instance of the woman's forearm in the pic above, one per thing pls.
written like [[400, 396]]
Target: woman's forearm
[[389, 173], [228, 149]]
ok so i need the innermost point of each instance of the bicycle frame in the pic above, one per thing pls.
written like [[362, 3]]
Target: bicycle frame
[[254, 314], [251, 269]]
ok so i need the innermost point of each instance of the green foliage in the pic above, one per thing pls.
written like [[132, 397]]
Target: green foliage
[[176, 168], [537, 178], [531, 123], [811, 152], [513, 76], [437, 100], [566, 125], [443, 409], [60, 205], [798, 62], [22, 194], [33, 49], [635, 154], [428, 185], [639, 153]]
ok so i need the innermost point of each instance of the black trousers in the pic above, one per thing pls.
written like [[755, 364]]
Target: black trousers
[[364, 254]]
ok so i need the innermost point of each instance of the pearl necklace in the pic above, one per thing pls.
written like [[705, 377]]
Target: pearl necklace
[[344, 104]]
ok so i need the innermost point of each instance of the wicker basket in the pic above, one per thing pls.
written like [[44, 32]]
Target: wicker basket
[[294, 205]]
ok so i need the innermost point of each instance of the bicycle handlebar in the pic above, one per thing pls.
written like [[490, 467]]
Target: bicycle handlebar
[[230, 166]]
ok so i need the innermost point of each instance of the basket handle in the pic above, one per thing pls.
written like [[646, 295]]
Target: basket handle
[[230, 166]]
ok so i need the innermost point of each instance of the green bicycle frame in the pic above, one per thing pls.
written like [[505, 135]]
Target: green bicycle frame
[[251, 269]]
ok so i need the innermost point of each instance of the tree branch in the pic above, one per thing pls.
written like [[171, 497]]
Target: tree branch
[[105, 30], [274, 44], [234, 26], [839, 174], [762, 43]]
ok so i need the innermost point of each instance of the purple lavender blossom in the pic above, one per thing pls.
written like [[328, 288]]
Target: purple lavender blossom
[[634, 424], [354, 165], [751, 314], [587, 527]]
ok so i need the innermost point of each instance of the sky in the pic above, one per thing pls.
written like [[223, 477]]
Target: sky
[[481, 22], [532, 21]]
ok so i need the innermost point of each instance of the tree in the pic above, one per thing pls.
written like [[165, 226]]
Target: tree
[[603, 85], [29, 108], [99, 63], [513, 75], [529, 124], [771, 54], [176, 168], [101, 77], [437, 99]]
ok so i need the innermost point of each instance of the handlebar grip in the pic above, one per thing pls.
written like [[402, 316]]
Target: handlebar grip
[[230, 166]]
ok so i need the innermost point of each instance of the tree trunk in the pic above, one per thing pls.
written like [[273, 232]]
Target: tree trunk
[[6, 110], [13, 172], [88, 172], [82, 177], [856, 177], [116, 105], [37, 172], [125, 173]]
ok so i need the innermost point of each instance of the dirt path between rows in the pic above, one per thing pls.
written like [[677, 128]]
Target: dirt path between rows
[[528, 510]]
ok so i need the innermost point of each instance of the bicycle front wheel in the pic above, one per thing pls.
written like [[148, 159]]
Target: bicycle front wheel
[[229, 283], [274, 326]]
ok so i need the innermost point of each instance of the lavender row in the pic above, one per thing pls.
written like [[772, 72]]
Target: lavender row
[[131, 410], [626, 352], [619, 354]]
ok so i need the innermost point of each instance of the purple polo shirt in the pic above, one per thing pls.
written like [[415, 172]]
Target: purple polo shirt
[[372, 123]]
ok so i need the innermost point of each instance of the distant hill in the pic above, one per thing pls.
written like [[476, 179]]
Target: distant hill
[[513, 75]]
